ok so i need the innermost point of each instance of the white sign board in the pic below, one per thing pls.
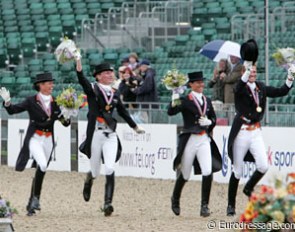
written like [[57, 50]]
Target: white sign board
[[147, 155], [61, 157], [280, 151]]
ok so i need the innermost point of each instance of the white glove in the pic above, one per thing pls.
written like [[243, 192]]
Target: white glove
[[4, 93], [291, 72], [139, 130], [175, 99], [248, 68], [204, 121], [248, 65]]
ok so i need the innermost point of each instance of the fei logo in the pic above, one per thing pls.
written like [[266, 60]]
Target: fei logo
[[224, 156]]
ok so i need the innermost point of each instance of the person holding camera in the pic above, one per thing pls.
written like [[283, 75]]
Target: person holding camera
[[221, 70]]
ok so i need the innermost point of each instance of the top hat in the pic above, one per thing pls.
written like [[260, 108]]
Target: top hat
[[102, 67], [144, 62], [249, 51], [43, 77], [195, 76]]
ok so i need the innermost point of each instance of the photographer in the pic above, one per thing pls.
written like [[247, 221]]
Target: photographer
[[221, 70], [129, 81]]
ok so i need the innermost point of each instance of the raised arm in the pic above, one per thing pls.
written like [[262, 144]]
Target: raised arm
[[86, 85]]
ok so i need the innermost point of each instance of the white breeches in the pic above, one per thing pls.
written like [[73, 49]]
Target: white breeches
[[252, 141], [198, 146], [106, 145], [40, 149]]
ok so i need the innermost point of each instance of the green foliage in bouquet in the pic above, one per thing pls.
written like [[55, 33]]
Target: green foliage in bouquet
[[6, 211], [69, 98], [275, 205], [174, 79]]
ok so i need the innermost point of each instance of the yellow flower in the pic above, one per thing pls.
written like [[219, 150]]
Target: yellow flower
[[281, 193], [278, 216]]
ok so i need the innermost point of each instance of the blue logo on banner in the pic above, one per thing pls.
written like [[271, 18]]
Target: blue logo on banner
[[224, 157]]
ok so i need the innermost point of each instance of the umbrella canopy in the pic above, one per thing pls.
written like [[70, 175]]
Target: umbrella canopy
[[220, 49]]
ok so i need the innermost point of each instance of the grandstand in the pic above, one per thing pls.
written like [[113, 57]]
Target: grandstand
[[166, 32]]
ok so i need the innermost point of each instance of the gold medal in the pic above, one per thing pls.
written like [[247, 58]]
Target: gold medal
[[258, 109], [108, 107]]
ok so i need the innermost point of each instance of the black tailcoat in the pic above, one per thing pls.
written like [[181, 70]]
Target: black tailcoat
[[96, 105], [246, 107], [39, 120], [191, 116]]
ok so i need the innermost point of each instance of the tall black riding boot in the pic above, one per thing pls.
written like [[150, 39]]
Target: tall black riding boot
[[206, 189], [180, 182], [87, 186], [37, 182], [232, 193], [108, 196], [249, 187]]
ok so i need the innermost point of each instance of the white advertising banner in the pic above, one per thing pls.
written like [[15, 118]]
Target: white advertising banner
[[61, 157], [148, 155], [280, 152]]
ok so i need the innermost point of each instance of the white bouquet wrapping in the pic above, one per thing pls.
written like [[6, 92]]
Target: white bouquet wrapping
[[67, 51]]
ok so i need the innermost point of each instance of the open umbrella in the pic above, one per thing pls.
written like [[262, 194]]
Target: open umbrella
[[219, 49]]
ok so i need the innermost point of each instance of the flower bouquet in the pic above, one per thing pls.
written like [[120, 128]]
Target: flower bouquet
[[285, 57], [272, 206], [69, 102], [175, 81], [67, 51], [5, 209]]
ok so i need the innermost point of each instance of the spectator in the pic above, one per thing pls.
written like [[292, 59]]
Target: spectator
[[133, 61], [128, 82], [146, 91], [125, 61], [232, 78], [221, 70]]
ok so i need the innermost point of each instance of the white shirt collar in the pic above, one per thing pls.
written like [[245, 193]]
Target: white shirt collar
[[107, 88], [46, 99], [198, 96], [252, 85]]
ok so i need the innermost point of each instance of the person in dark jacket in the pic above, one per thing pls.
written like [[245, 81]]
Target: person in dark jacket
[[195, 147], [245, 139], [101, 140], [39, 141], [147, 89]]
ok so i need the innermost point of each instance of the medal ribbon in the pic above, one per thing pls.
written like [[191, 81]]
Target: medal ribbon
[[108, 100], [255, 96], [47, 110], [202, 113]]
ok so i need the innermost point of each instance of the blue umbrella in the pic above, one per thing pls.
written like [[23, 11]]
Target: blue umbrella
[[220, 49]]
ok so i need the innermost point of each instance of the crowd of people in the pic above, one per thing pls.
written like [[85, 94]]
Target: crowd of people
[[234, 82]]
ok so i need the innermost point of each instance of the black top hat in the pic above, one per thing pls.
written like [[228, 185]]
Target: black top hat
[[102, 67], [43, 77], [249, 51], [195, 76]]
